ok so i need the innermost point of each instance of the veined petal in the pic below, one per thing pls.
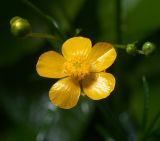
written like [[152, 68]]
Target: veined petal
[[98, 85], [65, 93], [102, 56], [76, 46], [51, 65]]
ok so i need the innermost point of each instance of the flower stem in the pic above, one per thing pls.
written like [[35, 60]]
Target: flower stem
[[41, 35], [120, 46], [140, 52], [146, 102], [47, 17]]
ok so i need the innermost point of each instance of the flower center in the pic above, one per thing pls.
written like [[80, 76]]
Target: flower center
[[77, 67]]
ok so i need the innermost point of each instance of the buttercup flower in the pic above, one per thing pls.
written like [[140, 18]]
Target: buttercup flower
[[80, 68]]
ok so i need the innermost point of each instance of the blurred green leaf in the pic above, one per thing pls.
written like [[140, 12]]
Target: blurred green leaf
[[64, 12], [140, 18], [107, 14]]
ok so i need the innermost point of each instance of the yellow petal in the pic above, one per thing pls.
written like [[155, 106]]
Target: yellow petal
[[76, 46], [98, 85], [102, 56], [51, 65], [65, 93]]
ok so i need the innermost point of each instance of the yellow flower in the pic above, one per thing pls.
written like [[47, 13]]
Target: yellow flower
[[80, 67]]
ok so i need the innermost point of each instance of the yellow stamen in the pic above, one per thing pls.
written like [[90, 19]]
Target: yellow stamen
[[77, 67]]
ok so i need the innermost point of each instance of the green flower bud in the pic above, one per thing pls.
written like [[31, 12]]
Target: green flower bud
[[20, 27], [148, 48], [131, 49]]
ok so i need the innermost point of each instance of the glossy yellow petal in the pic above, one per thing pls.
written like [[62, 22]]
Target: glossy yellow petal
[[102, 56], [76, 46], [65, 93], [98, 85], [51, 65]]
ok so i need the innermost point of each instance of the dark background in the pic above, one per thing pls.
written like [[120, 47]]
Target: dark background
[[26, 113]]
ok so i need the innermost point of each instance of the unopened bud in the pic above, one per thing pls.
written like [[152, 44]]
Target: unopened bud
[[131, 49], [20, 27], [148, 48]]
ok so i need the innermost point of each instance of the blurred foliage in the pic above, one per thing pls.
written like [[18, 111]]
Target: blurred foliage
[[26, 113]]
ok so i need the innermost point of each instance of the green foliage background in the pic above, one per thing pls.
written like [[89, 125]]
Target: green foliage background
[[25, 110]]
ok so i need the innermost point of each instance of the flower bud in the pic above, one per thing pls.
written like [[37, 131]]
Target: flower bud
[[131, 49], [20, 27], [148, 48]]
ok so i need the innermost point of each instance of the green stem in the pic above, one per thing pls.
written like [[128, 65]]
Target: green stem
[[140, 52], [148, 133], [41, 35], [155, 120], [146, 103], [120, 46], [47, 17], [118, 21]]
